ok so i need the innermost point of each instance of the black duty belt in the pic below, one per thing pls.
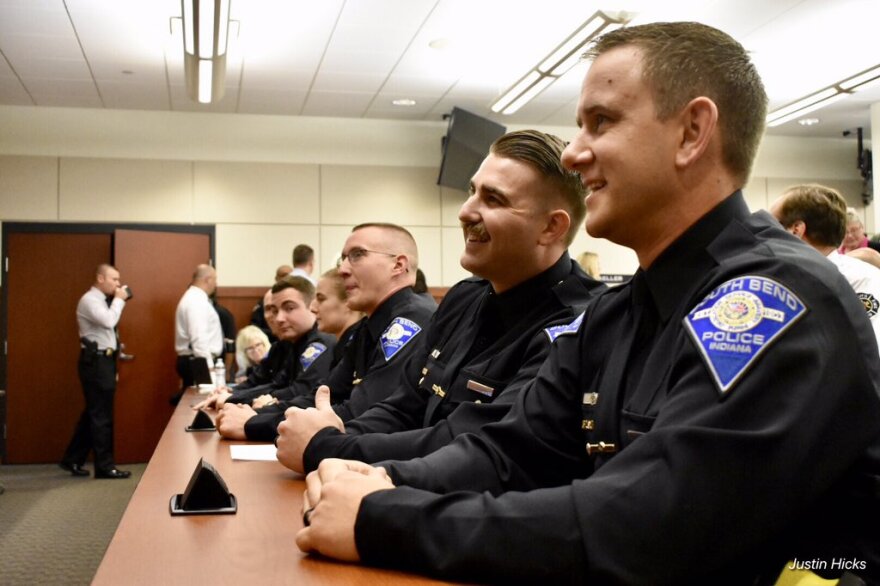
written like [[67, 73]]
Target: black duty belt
[[108, 352]]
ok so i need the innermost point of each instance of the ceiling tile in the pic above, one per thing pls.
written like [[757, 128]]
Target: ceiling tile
[[367, 47], [13, 93], [134, 96], [356, 82], [68, 101], [263, 101], [74, 88], [330, 103]]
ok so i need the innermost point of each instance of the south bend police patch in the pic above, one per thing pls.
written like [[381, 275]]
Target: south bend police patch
[[311, 353], [736, 322], [870, 302], [554, 332], [398, 335]]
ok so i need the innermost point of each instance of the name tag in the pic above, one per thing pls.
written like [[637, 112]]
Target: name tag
[[473, 385]]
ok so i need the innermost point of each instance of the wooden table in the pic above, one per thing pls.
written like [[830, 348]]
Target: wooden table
[[255, 545]]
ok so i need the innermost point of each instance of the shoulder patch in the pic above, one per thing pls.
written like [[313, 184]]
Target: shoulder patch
[[870, 302], [554, 332], [397, 335], [311, 353], [738, 321]]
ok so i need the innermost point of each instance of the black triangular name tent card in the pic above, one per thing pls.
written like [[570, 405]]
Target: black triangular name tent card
[[206, 494], [201, 422]]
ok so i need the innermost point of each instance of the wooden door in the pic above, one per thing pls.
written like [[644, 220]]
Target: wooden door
[[47, 275], [158, 266]]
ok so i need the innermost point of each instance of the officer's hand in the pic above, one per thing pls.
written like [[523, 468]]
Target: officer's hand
[[215, 400], [231, 419], [263, 400], [329, 470], [221, 398], [331, 529], [121, 293], [300, 425]]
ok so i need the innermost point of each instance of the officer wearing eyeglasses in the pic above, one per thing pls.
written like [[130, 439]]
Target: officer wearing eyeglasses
[[378, 267]]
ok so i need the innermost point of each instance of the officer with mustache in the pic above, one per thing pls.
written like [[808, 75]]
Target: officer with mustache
[[487, 338]]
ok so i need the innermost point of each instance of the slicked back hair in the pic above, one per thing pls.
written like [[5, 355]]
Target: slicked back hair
[[543, 152]]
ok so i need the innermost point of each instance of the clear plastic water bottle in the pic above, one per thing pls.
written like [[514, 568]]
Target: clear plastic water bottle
[[219, 374]]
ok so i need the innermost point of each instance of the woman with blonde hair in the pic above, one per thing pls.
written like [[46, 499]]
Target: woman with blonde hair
[[251, 345], [331, 312], [589, 261], [855, 236]]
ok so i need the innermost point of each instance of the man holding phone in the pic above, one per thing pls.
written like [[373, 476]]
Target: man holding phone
[[97, 314]]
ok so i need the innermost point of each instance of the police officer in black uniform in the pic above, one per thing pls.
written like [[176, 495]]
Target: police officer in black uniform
[[378, 267], [309, 356], [706, 423], [486, 338]]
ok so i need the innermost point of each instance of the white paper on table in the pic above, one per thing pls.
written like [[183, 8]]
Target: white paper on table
[[261, 452]]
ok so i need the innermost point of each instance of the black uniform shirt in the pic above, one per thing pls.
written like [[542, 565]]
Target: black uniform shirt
[[686, 432], [344, 339], [306, 367], [371, 365], [269, 367], [481, 348]]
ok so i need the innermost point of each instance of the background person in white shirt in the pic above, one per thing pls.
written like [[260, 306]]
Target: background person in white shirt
[[97, 314], [197, 331], [303, 262], [818, 215]]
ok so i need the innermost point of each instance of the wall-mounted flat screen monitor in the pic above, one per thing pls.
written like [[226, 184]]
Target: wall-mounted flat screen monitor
[[465, 145]]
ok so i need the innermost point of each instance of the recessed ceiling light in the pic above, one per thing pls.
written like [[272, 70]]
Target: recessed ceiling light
[[440, 44], [404, 102], [808, 121]]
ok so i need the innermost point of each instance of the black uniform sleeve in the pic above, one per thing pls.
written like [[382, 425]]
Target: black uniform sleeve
[[402, 410], [263, 427], [340, 378], [395, 410], [246, 396], [371, 391], [451, 528], [536, 444], [713, 478], [467, 417], [308, 380]]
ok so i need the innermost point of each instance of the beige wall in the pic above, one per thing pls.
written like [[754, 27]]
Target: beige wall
[[269, 183]]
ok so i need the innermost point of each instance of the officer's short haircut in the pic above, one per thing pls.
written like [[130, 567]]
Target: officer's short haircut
[[202, 272], [543, 152], [412, 254], [301, 284], [302, 254], [685, 60], [822, 209], [103, 268]]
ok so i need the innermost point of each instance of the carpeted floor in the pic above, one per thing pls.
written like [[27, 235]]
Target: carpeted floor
[[54, 528]]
